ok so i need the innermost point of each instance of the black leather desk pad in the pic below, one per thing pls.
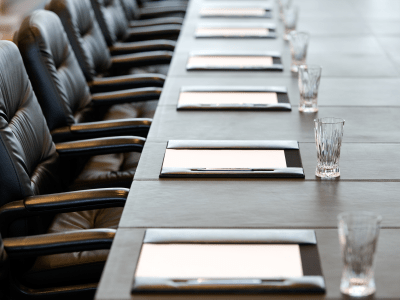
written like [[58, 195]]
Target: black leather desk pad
[[283, 98], [275, 66], [266, 12], [270, 35], [312, 280], [291, 149]]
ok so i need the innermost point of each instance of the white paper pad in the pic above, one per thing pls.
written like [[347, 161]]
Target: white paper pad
[[231, 61], [232, 31], [228, 98], [232, 11], [193, 261], [220, 159]]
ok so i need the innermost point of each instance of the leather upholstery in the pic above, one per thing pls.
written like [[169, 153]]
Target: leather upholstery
[[54, 71], [57, 270], [87, 40], [59, 82], [84, 34], [111, 18], [31, 166], [26, 146]]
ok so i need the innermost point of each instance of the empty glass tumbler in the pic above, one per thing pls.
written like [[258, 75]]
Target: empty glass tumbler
[[328, 140], [290, 15], [358, 237], [309, 78], [298, 49], [283, 4]]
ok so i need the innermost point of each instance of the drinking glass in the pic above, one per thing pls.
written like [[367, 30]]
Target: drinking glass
[[290, 14], [309, 78], [283, 4], [358, 237], [328, 140], [298, 48]]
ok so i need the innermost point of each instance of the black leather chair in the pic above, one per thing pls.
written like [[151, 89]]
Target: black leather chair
[[33, 172], [71, 111], [155, 15], [94, 57], [115, 27]]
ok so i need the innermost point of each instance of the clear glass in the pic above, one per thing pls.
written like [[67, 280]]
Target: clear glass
[[283, 4], [328, 140], [298, 49], [309, 78], [358, 237], [290, 14]]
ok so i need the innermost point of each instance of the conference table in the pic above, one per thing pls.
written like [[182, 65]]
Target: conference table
[[356, 42]]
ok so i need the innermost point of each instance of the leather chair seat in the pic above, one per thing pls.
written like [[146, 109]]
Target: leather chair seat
[[77, 267], [111, 170], [144, 109], [156, 69]]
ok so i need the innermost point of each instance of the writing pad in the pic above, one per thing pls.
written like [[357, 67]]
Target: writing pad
[[232, 32], [232, 159], [234, 62], [187, 98], [224, 159], [189, 261], [233, 98], [255, 12], [228, 260]]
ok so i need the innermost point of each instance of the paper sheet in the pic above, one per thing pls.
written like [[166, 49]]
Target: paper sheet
[[232, 11], [231, 61], [228, 98], [270, 159], [205, 31], [192, 261]]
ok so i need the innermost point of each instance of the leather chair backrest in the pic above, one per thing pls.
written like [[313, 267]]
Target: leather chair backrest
[[56, 77], [29, 161], [84, 34], [131, 9], [112, 20]]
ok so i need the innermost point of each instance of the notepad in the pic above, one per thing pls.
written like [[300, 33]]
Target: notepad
[[232, 32], [215, 98], [224, 159], [231, 61], [232, 11], [216, 261]]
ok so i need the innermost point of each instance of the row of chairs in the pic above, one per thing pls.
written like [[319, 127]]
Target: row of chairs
[[78, 89]]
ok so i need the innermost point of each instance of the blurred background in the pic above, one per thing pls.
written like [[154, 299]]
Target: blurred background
[[12, 12]]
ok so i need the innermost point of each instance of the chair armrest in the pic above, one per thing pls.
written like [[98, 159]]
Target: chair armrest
[[55, 243], [124, 82], [137, 127], [157, 11], [170, 31], [70, 201], [129, 61], [126, 96], [62, 203], [144, 46], [155, 22], [101, 146]]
